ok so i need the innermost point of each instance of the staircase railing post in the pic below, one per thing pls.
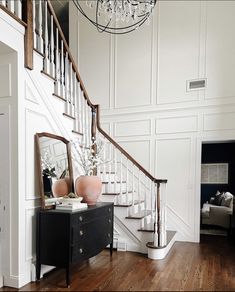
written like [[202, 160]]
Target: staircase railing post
[[27, 15], [157, 218], [93, 134]]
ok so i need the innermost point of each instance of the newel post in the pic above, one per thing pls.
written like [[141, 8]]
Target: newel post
[[157, 240], [27, 15], [93, 133]]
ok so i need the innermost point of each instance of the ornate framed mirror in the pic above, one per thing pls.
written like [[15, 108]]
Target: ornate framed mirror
[[54, 165]]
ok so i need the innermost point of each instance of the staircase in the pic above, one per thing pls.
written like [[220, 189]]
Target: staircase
[[138, 197]]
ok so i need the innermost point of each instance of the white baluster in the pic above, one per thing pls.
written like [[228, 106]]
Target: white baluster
[[34, 26], [10, 5], [52, 64], [66, 83], [57, 64], [127, 181], [86, 124], [3, 2], [80, 125], [145, 192], [62, 71], [121, 176], [46, 44], [133, 184], [82, 113], [70, 88], [104, 158], [153, 197], [18, 8], [139, 189], [40, 38], [110, 162], [74, 102], [115, 168]]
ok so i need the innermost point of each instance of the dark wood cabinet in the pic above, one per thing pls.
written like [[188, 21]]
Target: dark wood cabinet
[[67, 237]]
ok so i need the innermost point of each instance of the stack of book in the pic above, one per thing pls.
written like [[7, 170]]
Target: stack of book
[[71, 206]]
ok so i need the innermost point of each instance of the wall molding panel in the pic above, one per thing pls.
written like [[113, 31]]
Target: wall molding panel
[[132, 128], [219, 121], [177, 124]]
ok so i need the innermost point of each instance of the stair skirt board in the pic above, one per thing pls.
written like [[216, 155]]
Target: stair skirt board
[[155, 253]]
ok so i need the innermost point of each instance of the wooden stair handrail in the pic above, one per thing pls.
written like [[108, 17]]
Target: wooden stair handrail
[[123, 151], [97, 107], [69, 54]]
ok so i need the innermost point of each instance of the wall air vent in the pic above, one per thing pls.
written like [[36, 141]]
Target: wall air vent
[[196, 84]]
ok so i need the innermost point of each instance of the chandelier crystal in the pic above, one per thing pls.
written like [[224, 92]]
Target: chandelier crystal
[[116, 16]]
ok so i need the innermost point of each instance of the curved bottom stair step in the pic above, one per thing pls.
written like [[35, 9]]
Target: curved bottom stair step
[[159, 253]]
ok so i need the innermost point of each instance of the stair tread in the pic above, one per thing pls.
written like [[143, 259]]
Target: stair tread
[[58, 96], [128, 204], [139, 215], [68, 116], [112, 182], [169, 235], [76, 132], [115, 194]]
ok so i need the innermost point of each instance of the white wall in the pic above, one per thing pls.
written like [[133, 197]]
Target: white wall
[[140, 81]]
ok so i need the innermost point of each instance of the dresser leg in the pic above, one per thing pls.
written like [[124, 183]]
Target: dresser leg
[[111, 249], [68, 276]]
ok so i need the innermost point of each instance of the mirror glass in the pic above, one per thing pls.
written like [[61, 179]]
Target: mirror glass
[[54, 161]]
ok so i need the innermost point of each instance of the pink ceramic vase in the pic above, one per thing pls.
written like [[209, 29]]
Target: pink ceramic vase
[[60, 188], [88, 187]]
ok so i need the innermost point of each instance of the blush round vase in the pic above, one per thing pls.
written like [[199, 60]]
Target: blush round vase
[[60, 187], [88, 187]]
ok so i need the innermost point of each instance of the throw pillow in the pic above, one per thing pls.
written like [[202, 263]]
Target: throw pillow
[[218, 199], [227, 199]]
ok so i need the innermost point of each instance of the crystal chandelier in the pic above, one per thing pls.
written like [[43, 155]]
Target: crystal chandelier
[[116, 16]]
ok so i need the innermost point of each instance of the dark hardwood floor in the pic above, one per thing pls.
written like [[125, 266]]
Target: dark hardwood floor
[[208, 266]]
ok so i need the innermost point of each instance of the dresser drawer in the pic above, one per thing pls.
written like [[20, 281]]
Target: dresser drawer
[[91, 214]]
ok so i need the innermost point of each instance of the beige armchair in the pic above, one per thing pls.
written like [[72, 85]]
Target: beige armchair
[[217, 215]]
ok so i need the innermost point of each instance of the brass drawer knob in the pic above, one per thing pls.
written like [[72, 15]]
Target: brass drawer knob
[[81, 232], [80, 250], [109, 220], [109, 209], [80, 218], [108, 234]]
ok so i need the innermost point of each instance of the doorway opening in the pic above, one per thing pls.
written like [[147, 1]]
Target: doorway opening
[[217, 188]]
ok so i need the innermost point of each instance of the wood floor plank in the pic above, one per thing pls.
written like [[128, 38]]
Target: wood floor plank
[[208, 266]]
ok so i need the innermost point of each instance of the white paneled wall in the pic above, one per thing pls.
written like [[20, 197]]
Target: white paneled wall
[[143, 96]]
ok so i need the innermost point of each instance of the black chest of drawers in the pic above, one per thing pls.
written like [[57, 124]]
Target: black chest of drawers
[[67, 237]]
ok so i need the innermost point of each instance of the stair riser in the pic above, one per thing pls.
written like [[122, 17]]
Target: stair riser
[[109, 177], [124, 199], [114, 188], [108, 198], [135, 209]]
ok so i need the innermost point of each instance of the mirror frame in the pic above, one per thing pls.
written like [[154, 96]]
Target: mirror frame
[[39, 164]]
